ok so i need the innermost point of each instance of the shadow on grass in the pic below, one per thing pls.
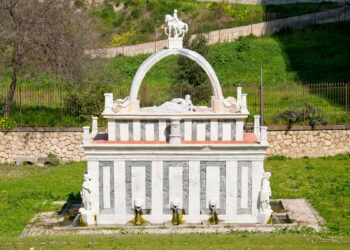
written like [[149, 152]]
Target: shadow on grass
[[320, 54]]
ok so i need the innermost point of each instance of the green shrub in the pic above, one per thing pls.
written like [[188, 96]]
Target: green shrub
[[278, 158], [296, 114], [87, 102], [6, 124]]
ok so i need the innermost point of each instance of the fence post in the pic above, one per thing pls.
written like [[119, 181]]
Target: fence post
[[155, 41], [346, 101], [144, 94], [262, 98], [304, 104], [20, 105], [251, 24], [61, 105]]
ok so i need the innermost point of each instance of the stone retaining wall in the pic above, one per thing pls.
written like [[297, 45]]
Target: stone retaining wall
[[295, 142], [302, 141]]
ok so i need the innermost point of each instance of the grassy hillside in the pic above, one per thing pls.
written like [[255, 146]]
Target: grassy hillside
[[134, 21], [315, 54]]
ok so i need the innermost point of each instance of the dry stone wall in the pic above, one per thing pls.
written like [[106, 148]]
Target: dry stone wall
[[66, 142], [302, 141]]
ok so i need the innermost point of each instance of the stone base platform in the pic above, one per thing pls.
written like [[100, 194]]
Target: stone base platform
[[299, 211]]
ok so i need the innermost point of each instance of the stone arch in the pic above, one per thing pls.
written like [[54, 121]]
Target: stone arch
[[153, 59]]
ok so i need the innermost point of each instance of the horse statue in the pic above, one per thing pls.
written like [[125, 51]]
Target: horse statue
[[175, 26]]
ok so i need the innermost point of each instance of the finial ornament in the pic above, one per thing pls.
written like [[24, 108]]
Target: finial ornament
[[175, 30]]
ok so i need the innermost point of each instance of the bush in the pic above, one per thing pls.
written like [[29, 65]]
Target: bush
[[88, 102], [6, 124], [190, 76], [295, 114]]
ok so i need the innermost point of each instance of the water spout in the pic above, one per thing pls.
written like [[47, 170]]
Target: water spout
[[138, 220], [177, 217], [213, 219]]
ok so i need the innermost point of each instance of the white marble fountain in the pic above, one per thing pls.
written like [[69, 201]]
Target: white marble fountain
[[177, 162]]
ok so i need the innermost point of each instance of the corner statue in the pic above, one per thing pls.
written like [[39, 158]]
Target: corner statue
[[175, 28], [265, 210], [85, 194]]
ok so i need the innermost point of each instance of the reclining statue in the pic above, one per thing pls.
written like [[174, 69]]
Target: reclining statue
[[177, 105]]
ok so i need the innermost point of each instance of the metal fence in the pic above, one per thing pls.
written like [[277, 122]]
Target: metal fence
[[59, 107]]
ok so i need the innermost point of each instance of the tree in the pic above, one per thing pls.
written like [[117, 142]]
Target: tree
[[42, 36]]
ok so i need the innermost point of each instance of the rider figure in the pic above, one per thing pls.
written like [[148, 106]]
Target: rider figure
[[175, 18]]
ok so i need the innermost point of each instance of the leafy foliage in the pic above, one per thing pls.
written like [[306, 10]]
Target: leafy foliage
[[296, 114], [87, 102], [6, 124]]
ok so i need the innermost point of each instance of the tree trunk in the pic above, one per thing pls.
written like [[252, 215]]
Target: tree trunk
[[11, 91]]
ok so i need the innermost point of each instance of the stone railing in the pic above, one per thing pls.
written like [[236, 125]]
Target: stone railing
[[297, 141], [229, 35]]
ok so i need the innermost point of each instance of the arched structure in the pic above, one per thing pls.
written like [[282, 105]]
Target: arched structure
[[153, 59]]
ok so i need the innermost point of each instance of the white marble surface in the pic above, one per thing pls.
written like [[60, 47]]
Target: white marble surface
[[138, 184], [213, 185]]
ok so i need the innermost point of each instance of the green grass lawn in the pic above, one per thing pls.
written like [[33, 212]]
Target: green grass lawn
[[189, 241], [324, 181]]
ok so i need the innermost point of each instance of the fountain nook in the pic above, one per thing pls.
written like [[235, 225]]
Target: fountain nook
[[175, 163]]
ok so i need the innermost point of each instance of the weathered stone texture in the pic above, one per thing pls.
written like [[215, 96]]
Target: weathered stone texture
[[314, 143], [66, 145]]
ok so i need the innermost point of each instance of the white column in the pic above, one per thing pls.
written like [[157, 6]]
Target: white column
[[149, 132], [239, 130], [119, 187], [257, 171], [106, 176], [200, 131], [124, 132], [213, 185], [214, 130], [136, 130], [244, 187], [175, 134], [257, 126], [92, 167], [157, 187], [111, 131], [244, 108], [108, 102], [239, 95], [231, 189], [194, 189], [86, 135], [226, 131], [175, 184], [162, 128], [263, 136], [138, 184], [188, 130], [94, 128]]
